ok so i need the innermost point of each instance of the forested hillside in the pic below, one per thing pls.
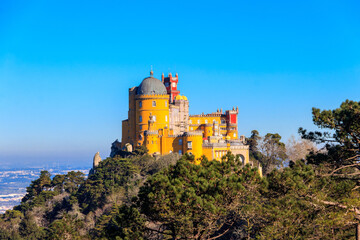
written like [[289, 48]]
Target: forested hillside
[[307, 192]]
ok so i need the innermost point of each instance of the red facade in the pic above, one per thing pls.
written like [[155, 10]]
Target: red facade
[[171, 83]]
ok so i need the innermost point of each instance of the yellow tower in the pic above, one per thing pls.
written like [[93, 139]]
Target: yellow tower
[[193, 143], [208, 130], [151, 99]]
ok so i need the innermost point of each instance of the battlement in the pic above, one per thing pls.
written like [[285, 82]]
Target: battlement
[[195, 133]]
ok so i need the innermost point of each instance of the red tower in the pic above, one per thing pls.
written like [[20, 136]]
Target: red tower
[[171, 83]]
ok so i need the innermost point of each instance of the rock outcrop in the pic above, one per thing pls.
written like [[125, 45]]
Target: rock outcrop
[[96, 160]]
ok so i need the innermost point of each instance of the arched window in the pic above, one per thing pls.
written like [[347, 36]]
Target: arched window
[[165, 118], [140, 104], [180, 152], [140, 118], [180, 141], [198, 121], [154, 103], [242, 158]]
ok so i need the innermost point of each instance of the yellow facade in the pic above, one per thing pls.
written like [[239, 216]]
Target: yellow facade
[[146, 105], [164, 125]]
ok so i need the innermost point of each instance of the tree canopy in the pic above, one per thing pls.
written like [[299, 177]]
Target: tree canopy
[[310, 194]]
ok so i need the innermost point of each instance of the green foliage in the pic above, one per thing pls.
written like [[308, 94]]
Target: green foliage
[[343, 136], [193, 201], [68, 183], [65, 228], [140, 150], [296, 209], [269, 151], [28, 229], [111, 175], [38, 185], [314, 199], [121, 223]]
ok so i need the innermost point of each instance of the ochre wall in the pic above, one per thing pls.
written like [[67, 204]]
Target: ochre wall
[[198, 123], [152, 143], [196, 149], [160, 111]]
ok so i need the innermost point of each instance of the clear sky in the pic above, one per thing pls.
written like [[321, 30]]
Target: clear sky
[[66, 66]]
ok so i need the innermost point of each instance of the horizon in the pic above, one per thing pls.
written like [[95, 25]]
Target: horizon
[[65, 71]]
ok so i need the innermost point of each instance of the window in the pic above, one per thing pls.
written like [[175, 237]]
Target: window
[[165, 118], [154, 117], [198, 121], [140, 127], [191, 128], [190, 121], [140, 104], [206, 121], [234, 134], [140, 118], [180, 152], [189, 144], [165, 103], [222, 121], [154, 103], [180, 141], [174, 84]]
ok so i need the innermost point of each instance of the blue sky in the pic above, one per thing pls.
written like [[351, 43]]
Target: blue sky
[[66, 66]]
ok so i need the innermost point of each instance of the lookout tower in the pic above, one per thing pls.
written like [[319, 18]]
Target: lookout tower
[[171, 83]]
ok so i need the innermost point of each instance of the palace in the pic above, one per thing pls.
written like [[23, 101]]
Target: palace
[[159, 119]]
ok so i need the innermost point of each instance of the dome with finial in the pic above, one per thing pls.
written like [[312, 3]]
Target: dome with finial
[[151, 86]]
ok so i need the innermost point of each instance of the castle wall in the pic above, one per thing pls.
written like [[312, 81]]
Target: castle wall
[[179, 116], [152, 142], [146, 105], [161, 122], [125, 133], [193, 144]]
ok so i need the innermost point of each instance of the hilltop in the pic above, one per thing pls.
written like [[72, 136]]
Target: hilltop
[[172, 197]]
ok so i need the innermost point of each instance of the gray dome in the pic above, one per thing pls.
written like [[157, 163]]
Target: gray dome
[[151, 86]]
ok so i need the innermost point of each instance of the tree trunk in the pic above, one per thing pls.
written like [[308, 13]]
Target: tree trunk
[[357, 231]]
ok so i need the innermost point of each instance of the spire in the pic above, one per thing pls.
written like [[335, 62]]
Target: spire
[[151, 72]]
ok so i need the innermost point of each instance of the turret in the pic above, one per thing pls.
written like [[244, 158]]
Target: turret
[[171, 83]]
